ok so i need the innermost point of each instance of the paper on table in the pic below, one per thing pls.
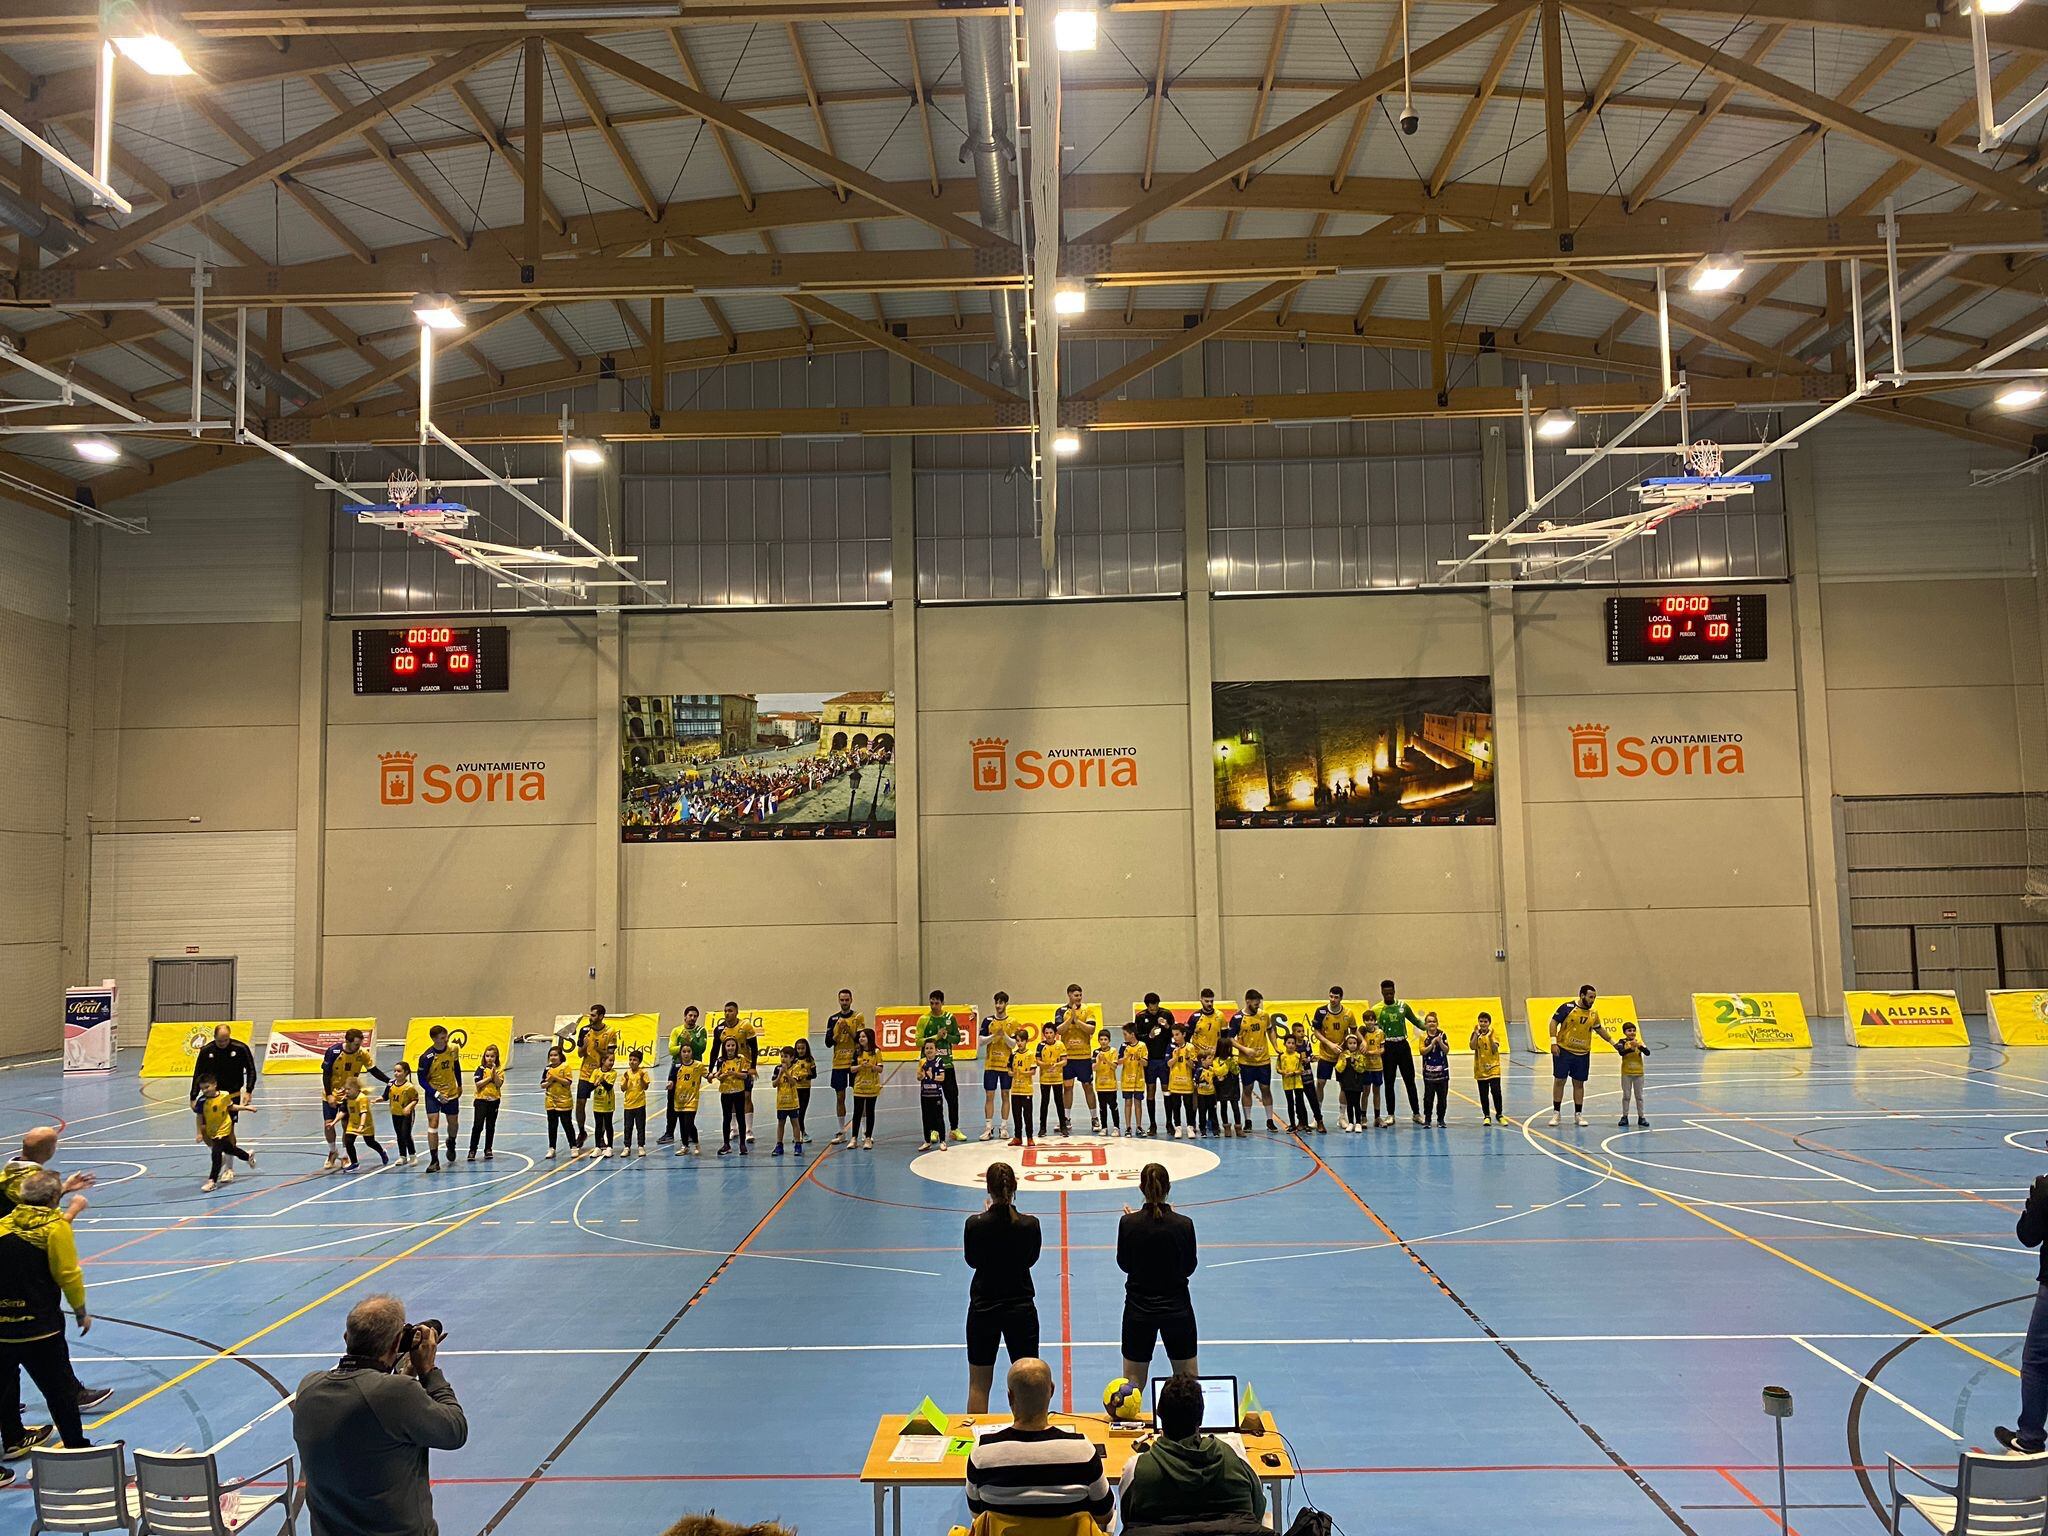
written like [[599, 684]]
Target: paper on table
[[919, 1448]]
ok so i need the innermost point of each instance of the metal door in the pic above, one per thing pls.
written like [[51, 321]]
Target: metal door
[[186, 990]]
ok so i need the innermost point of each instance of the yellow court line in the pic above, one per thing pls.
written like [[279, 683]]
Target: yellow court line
[[342, 1289], [1777, 1253]]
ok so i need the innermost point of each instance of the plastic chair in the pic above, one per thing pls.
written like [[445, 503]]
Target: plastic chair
[[182, 1495], [82, 1490], [1991, 1496]]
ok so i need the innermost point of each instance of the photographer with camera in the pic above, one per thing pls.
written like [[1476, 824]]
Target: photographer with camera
[[364, 1428]]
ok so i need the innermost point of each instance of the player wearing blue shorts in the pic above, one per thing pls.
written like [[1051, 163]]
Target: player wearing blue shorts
[[1255, 1054], [440, 1070], [1572, 1028], [995, 1067], [1077, 1035], [337, 1062], [842, 1034], [1332, 1022]]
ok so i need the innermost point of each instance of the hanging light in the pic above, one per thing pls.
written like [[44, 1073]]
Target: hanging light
[[1556, 423], [1074, 28], [437, 312], [1070, 299], [1067, 444], [153, 55], [96, 449], [1996, 7], [589, 452], [1715, 274], [2020, 395]]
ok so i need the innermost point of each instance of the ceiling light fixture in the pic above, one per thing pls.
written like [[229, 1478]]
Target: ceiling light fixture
[[586, 451], [1554, 424], [1070, 300], [1074, 28], [154, 55], [2017, 397], [1996, 7], [96, 449], [1715, 274], [437, 312], [1067, 444]]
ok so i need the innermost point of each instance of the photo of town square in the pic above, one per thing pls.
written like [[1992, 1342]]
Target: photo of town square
[[700, 767]]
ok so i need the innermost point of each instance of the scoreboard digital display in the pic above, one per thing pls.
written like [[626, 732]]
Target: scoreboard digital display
[[432, 658], [1687, 627]]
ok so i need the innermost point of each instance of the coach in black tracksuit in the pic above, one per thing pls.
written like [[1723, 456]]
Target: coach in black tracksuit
[[230, 1063]]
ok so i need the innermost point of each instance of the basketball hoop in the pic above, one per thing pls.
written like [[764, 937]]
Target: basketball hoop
[[1704, 458]]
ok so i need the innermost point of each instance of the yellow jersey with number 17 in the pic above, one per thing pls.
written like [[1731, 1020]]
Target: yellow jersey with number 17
[[1255, 1039], [1574, 1032]]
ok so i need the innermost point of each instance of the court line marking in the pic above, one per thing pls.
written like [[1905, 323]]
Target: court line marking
[[1754, 1502], [1889, 1396], [1536, 1139], [1757, 1146], [576, 1218], [408, 1194], [319, 1301]]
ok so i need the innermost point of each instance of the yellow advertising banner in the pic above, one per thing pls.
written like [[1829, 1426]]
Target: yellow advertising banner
[[1903, 1020], [636, 1032], [1613, 1008], [1183, 1011], [1460, 1015], [469, 1034], [2018, 1018], [1750, 1021], [777, 1027], [1038, 1015], [896, 1031], [296, 1045], [171, 1049]]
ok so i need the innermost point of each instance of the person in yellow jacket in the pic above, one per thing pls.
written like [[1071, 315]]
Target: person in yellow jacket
[[39, 1272], [1373, 1041], [1352, 1079], [842, 1035], [490, 1098], [633, 1099], [1107, 1060], [1290, 1064], [1132, 1081], [789, 1079], [404, 1097], [558, 1098], [686, 1085], [216, 1111], [1023, 1077], [1180, 1088], [604, 1102], [359, 1120], [1486, 1070], [1052, 1073], [1572, 1028], [867, 1087]]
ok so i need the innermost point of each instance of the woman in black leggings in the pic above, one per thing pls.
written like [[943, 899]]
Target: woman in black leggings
[[732, 1096], [1155, 1248], [490, 1090], [1001, 1244]]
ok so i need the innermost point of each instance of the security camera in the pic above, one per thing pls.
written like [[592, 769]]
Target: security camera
[[1410, 121]]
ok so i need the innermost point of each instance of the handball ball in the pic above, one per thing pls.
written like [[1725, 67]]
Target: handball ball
[[1124, 1400]]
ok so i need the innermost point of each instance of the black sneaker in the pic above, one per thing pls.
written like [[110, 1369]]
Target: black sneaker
[[92, 1397], [33, 1435], [2010, 1439]]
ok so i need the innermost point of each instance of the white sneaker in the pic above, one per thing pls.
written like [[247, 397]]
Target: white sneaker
[[643, 1151], [988, 1133], [206, 1187], [868, 1144], [682, 1151], [1553, 1117], [551, 1154], [837, 1137], [228, 1177], [1581, 1119]]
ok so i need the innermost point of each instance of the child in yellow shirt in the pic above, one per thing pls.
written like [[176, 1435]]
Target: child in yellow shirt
[[1180, 1088], [217, 1124], [1052, 1073], [404, 1096], [1375, 1042], [1132, 1081], [1107, 1061], [805, 1066], [1205, 1094], [867, 1086], [604, 1100], [788, 1079], [689, 1083], [558, 1097], [490, 1098], [1351, 1080], [1631, 1048], [1486, 1070], [1023, 1072], [1291, 1064], [633, 1090], [359, 1119]]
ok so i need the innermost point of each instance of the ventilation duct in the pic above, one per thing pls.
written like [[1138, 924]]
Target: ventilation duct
[[984, 73]]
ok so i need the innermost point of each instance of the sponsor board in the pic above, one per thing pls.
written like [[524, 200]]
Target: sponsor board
[[1064, 1165], [1903, 1020], [296, 1045], [896, 1031], [468, 1033], [90, 1028], [993, 767], [1614, 1009], [2018, 1017], [1750, 1021], [171, 1049], [1459, 1016]]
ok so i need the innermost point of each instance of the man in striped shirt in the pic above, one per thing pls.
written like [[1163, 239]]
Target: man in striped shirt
[[1029, 1467]]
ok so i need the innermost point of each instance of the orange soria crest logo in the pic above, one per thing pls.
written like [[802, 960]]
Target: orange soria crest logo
[[1589, 751], [991, 763], [396, 778]]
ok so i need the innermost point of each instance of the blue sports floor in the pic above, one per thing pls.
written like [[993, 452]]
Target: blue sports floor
[[1572, 1326]]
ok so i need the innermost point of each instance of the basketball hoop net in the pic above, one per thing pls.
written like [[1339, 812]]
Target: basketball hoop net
[[407, 489], [1704, 458]]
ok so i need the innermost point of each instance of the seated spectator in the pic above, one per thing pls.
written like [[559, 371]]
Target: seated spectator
[[1185, 1475], [711, 1525], [1028, 1471]]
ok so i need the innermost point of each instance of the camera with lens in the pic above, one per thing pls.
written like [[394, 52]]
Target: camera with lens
[[412, 1335], [1410, 121]]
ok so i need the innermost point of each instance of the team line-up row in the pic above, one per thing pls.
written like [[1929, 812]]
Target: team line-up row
[[1208, 1067]]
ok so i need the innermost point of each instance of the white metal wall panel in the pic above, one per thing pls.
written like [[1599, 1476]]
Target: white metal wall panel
[[221, 548], [228, 893], [35, 564], [1894, 500]]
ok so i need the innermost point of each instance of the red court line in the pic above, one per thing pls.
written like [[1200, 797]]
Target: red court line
[[1737, 1484], [211, 1210], [1066, 1313]]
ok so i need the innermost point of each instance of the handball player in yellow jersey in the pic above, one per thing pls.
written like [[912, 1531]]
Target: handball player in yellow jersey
[[1572, 1029]]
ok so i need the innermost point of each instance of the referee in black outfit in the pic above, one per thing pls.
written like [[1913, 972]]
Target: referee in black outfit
[[231, 1065], [1002, 1243]]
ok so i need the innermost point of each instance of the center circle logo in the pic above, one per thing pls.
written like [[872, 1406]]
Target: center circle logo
[[1066, 1164]]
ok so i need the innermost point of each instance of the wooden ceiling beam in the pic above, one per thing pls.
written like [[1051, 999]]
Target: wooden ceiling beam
[[1503, 53], [1193, 336], [308, 202], [1698, 123], [1782, 163], [408, 178], [496, 139], [885, 338], [579, 83]]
